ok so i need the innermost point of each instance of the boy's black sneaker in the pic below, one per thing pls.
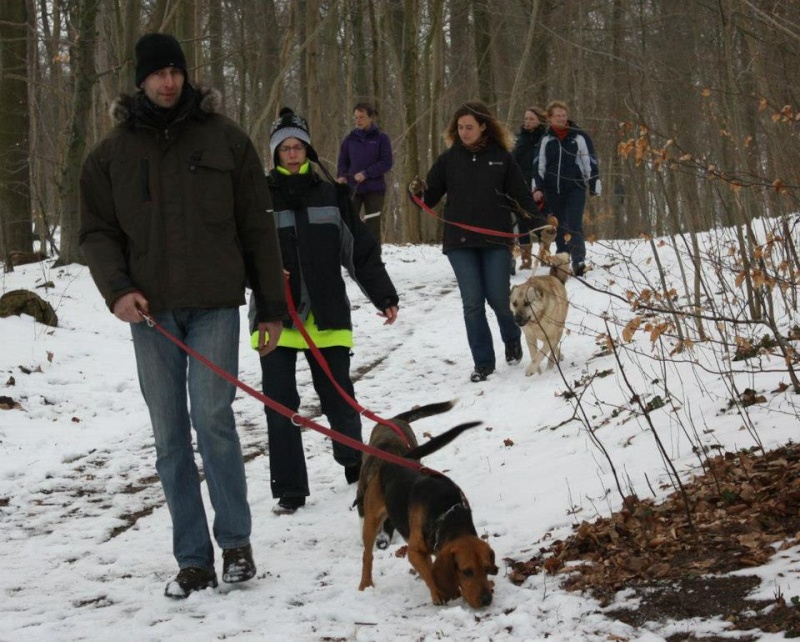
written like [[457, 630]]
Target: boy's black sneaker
[[513, 352], [288, 505], [189, 580], [579, 269], [352, 473], [238, 564]]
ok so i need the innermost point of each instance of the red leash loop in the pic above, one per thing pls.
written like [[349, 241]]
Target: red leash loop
[[472, 228], [326, 369], [294, 417]]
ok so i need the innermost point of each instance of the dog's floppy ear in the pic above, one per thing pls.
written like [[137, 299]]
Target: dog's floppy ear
[[445, 574], [493, 570]]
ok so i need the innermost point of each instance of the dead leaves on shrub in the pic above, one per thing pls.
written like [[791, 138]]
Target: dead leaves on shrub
[[741, 506]]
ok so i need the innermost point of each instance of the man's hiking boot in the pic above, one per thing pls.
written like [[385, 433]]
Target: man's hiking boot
[[189, 580], [238, 564]]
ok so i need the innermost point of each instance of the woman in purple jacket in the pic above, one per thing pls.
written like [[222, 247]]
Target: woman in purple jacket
[[364, 157]]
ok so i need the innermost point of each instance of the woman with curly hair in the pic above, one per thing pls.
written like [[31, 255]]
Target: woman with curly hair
[[484, 188]]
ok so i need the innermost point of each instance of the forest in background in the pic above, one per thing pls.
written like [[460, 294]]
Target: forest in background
[[692, 105]]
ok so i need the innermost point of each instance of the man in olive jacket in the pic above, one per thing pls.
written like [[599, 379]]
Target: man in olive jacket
[[175, 220]]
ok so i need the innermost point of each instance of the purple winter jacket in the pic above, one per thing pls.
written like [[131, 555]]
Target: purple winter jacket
[[368, 151]]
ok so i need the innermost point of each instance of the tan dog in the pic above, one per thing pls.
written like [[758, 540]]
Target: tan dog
[[540, 308], [429, 511]]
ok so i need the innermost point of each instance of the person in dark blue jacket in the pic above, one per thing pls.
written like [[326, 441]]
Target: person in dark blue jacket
[[318, 235], [563, 170], [485, 188], [530, 134]]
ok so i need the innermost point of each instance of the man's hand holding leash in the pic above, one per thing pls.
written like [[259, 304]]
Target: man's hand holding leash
[[129, 307]]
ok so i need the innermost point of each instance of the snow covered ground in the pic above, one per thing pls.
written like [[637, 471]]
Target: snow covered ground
[[86, 542]]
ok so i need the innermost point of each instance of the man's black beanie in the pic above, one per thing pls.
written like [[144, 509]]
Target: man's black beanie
[[155, 51]]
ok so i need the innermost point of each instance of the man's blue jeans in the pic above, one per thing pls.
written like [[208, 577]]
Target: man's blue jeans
[[165, 375], [483, 277]]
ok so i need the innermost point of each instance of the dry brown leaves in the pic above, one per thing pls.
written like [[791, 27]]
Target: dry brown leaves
[[740, 507]]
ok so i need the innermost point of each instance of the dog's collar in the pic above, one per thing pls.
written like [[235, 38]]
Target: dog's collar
[[439, 524]]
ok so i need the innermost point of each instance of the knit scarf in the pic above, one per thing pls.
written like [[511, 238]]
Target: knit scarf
[[479, 145]]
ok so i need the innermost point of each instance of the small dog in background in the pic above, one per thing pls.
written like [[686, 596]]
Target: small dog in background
[[546, 237], [540, 307]]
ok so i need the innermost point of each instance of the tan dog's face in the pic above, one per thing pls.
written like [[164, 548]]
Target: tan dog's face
[[523, 300], [463, 567]]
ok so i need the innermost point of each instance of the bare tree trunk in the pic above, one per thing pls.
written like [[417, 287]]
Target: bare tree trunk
[[482, 35], [15, 189], [404, 32], [516, 90], [312, 59], [303, 30], [378, 66], [127, 33], [82, 54], [359, 54], [431, 228], [216, 61]]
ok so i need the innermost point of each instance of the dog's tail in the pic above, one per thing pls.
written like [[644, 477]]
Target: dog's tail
[[439, 441], [425, 411]]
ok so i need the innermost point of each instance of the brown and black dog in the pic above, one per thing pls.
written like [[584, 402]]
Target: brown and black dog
[[429, 510]]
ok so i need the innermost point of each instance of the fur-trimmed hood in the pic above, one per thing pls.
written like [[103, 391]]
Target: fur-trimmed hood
[[209, 101]]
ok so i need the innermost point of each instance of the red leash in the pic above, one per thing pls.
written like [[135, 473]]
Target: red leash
[[296, 418], [326, 369], [480, 230]]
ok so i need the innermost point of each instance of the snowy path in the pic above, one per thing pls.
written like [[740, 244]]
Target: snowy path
[[86, 537]]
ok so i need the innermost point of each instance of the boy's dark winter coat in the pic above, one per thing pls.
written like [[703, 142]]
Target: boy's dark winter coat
[[318, 236]]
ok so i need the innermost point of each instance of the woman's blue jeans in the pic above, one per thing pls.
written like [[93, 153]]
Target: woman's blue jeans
[[166, 373], [483, 277]]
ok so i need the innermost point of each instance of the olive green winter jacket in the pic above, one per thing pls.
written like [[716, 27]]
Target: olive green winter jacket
[[177, 207]]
